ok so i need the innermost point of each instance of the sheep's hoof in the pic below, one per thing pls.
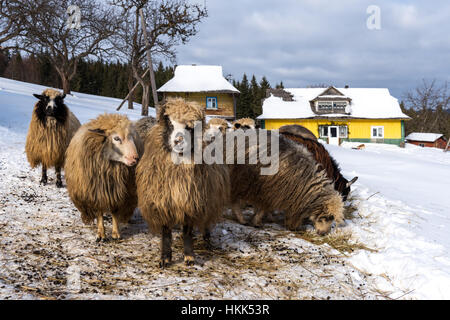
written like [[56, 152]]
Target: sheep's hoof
[[165, 263], [43, 181], [208, 245], [101, 239], [256, 223], [59, 184], [116, 237], [189, 260]]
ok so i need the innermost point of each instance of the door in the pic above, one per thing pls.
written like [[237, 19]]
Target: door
[[333, 135]]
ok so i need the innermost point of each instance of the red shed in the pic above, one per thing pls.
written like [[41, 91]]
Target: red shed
[[432, 140]]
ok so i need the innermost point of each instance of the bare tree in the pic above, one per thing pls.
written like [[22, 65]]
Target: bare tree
[[10, 20], [429, 101], [169, 23], [45, 25], [429, 108]]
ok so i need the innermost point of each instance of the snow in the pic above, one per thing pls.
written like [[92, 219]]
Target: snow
[[407, 219], [17, 102], [366, 103], [422, 136], [202, 78], [398, 210]]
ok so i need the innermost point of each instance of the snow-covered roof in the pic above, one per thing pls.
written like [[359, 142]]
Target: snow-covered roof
[[422, 136], [193, 78], [366, 103]]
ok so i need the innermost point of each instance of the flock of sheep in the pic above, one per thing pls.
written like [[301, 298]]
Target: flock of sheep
[[113, 165]]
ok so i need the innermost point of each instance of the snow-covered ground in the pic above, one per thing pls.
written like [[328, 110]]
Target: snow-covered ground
[[395, 244]]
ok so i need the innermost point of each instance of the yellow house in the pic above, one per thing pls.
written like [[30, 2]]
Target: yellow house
[[205, 85], [337, 114]]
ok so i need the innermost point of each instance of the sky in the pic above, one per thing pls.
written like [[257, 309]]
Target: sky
[[310, 42]]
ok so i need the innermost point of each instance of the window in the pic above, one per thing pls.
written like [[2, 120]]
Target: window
[[377, 132], [422, 145], [323, 131], [211, 102], [343, 131], [340, 106], [325, 105]]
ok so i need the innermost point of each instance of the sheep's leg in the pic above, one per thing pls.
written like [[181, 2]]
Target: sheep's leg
[[269, 215], [188, 244], [257, 217], [207, 238], [115, 227], [100, 228], [58, 177], [166, 247], [44, 175], [236, 208]]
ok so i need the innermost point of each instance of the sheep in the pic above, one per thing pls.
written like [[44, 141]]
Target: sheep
[[298, 130], [326, 161], [244, 124], [144, 125], [51, 128], [170, 193], [299, 188], [100, 172]]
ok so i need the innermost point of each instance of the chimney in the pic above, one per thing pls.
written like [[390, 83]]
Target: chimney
[[346, 86]]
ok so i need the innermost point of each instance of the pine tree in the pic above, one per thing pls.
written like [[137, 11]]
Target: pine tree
[[245, 99], [255, 101], [263, 86], [280, 86]]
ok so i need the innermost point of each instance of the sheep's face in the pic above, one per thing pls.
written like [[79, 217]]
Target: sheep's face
[[120, 146], [323, 224], [51, 107], [344, 187], [213, 130], [244, 124], [243, 127], [181, 136]]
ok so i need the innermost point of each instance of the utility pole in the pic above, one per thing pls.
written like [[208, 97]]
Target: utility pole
[[131, 91], [149, 60]]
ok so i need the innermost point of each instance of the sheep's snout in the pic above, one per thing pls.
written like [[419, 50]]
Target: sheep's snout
[[130, 155], [132, 160], [50, 108], [323, 225]]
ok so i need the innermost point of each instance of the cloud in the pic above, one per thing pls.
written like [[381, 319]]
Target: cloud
[[307, 42]]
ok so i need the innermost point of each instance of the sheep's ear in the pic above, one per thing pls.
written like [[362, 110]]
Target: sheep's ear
[[237, 125], [98, 131], [63, 96], [351, 182], [39, 96]]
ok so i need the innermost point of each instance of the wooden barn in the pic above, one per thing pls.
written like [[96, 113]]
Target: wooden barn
[[337, 114], [205, 85], [431, 140]]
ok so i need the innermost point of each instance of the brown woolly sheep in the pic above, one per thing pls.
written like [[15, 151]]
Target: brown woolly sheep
[[188, 194], [100, 171], [51, 128], [298, 130], [299, 188], [326, 162], [243, 124], [144, 125]]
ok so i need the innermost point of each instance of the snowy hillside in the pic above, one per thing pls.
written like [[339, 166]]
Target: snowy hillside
[[395, 244]]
